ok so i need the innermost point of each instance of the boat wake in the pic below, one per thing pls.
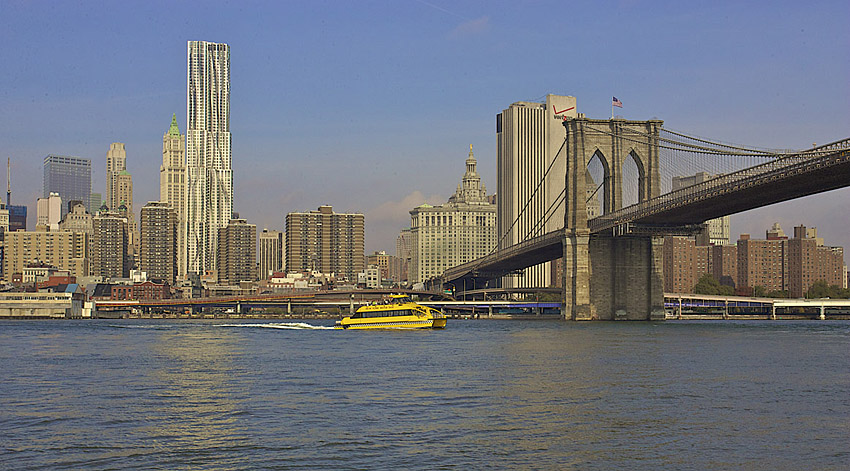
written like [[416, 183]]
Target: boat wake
[[283, 325]]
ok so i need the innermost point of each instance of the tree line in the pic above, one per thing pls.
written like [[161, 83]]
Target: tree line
[[708, 284]]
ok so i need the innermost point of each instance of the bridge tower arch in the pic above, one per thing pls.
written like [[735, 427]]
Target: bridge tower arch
[[608, 277]]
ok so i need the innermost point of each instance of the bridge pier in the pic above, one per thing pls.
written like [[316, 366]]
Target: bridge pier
[[577, 302], [613, 278]]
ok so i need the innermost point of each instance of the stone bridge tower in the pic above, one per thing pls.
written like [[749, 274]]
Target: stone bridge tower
[[608, 277]]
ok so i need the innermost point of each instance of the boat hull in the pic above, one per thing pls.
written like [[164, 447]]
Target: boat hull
[[391, 323]]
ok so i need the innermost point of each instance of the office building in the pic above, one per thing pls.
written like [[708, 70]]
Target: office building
[[109, 252], [116, 162], [124, 199], [530, 136], [326, 242], [77, 219], [70, 177], [95, 202], [209, 175], [63, 250], [272, 253], [172, 185], [17, 218], [237, 252], [454, 233], [158, 241], [48, 211], [391, 267]]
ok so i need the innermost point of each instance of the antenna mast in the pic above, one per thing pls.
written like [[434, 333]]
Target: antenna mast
[[8, 181]]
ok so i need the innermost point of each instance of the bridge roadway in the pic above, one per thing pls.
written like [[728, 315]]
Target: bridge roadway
[[328, 300], [683, 211], [311, 298], [700, 305]]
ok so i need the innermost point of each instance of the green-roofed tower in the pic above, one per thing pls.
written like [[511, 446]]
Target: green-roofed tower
[[174, 130], [172, 184]]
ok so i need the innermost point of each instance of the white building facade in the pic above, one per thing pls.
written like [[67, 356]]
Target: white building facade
[[172, 186], [463, 229], [530, 172], [209, 174]]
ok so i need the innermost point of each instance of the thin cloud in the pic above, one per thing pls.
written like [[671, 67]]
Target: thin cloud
[[471, 28]]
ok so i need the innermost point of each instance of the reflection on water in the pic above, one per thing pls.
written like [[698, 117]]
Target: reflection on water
[[502, 394]]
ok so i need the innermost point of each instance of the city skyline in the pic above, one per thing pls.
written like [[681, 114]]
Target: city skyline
[[334, 103]]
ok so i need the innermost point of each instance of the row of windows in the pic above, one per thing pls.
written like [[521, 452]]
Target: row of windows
[[397, 312]]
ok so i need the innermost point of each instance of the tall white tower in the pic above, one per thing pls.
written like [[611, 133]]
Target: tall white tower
[[172, 186], [530, 140], [116, 162], [209, 175]]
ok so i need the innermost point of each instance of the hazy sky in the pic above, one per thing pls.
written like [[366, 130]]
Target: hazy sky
[[370, 106]]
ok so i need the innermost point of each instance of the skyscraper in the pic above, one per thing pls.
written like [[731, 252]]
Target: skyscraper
[[172, 185], [68, 176], [454, 233], [209, 176], [530, 138], [116, 162]]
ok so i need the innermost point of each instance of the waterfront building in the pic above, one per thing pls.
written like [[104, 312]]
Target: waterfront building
[[63, 250], [272, 253], [763, 263], [529, 138], [237, 252], [109, 254], [172, 185], [70, 177], [809, 260], [680, 267], [326, 242], [718, 230], [77, 219], [209, 174], [48, 211], [158, 241], [454, 233]]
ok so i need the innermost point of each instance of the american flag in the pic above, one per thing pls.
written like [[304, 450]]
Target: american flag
[[617, 103]]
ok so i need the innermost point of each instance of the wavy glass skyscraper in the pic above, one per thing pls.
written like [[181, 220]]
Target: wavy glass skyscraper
[[209, 176]]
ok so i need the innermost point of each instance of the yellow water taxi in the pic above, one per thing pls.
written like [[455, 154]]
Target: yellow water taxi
[[396, 312]]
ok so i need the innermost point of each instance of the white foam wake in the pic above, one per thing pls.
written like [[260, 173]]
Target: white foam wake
[[282, 325]]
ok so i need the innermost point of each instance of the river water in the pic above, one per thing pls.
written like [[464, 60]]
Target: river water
[[154, 394]]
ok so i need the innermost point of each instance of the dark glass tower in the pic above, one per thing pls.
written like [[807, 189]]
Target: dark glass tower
[[70, 177]]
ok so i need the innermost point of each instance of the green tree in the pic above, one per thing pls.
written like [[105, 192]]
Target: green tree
[[820, 289], [778, 294], [759, 291], [707, 285]]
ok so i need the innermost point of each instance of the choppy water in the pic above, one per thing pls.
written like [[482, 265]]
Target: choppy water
[[154, 394]]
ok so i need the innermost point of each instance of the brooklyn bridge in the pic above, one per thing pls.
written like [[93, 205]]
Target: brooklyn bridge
[[612, 263]]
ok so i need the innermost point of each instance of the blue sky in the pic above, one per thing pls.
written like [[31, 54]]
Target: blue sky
[[370, 106]]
